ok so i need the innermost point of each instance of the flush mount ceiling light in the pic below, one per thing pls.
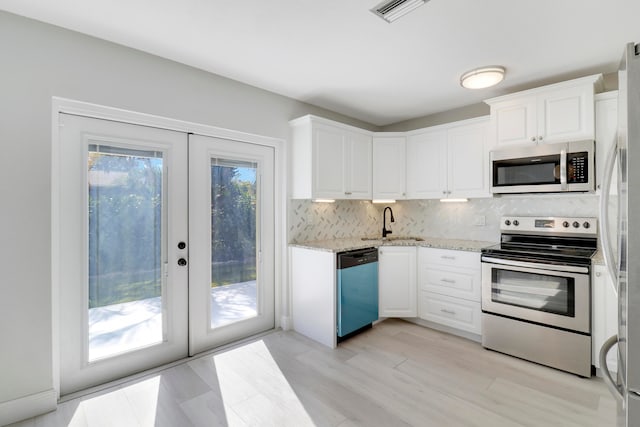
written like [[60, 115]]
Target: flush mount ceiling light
[[481, 78], [391, 10]]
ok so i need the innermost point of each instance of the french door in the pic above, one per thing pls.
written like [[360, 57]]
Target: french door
[[138, 224], [231, 231]]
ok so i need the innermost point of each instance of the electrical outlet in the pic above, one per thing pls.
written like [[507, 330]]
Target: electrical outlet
[[480, 221]]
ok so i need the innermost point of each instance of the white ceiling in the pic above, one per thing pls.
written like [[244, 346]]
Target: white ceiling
[[338, 55]]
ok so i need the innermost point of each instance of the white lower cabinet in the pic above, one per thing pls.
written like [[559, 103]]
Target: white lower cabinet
[[397, 281], [313, 294], [604, 316], [454, 312], [449, 288]]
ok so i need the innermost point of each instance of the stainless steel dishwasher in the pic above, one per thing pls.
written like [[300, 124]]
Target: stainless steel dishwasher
[[357, 291]]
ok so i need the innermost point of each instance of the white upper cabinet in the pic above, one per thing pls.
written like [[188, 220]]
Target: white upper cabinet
[[449, 161], [389, 167], [554, 113], [468, 161], [606, 133], [358, 169], [427, 164], [329, 160]]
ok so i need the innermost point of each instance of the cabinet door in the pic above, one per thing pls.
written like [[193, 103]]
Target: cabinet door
[[358, 166], [566, 114], [606, 124], [514, 121], [605, 316], [427, 165], [397, 281], [389, 167], [467, 162], [328, 162]]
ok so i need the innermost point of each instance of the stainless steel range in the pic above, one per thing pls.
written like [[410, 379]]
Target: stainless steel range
[[536, 291]]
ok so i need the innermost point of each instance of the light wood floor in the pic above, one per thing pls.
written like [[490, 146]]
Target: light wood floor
[[397, 374]]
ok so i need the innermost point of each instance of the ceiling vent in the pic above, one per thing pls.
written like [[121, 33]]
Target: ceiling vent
[[393, 9]]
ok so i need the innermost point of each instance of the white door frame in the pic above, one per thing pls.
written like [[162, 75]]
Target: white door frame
[[64, 105]]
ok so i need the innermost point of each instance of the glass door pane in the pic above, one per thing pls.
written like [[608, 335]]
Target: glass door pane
[[233, 241], [125, 209], [540, 292], [231, 235]]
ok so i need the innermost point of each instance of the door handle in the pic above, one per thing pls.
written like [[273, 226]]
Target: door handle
[[607, 248], [612, 384]]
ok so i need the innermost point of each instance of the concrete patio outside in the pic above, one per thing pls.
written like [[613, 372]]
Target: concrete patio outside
[[118, 328]]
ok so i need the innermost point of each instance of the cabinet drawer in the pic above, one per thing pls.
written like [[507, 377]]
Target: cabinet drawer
[[448, 257], [448, 311], [455, 283]]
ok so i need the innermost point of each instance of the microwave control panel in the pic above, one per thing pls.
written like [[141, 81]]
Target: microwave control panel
[[577, 168]]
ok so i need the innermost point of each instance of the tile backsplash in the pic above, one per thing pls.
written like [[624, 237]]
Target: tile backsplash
[[477, 219]]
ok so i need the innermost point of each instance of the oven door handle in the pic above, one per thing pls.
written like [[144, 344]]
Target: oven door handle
[[537, 266]]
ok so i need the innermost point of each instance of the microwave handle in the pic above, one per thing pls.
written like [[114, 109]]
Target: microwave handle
[[563, 170]]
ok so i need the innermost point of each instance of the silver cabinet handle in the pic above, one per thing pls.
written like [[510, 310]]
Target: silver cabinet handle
[[533, 139], [444, 192], [448, 311], [348, 193], [448, 281], [598, 274], [540, 138], [447, 257]]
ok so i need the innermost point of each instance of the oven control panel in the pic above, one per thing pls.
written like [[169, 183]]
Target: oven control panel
[[549, 225]]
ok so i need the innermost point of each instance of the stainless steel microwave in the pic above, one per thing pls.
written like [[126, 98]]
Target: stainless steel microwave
[[544, 168]]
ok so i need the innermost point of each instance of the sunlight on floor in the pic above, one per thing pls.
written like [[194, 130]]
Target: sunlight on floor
[[240, 387], [262, 396], [133, 405]]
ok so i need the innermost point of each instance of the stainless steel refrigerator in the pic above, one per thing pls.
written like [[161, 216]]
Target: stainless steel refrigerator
[[622, 252]]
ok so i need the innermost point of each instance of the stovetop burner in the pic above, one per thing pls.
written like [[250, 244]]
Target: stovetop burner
[[548, 239]]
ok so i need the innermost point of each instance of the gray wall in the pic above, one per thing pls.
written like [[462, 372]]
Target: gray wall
[[462, 113], [40, 61]]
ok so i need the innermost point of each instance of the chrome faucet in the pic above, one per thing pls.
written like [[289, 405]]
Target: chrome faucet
[[384, 221]]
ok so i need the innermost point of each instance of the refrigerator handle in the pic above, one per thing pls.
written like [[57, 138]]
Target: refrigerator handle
[[614, 387], [607, 249]]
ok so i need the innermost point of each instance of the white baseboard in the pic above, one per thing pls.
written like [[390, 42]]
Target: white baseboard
[[27, 407], [285, 323]]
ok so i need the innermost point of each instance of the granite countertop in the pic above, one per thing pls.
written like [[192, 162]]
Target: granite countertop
[[598, 258], [353, 243]]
